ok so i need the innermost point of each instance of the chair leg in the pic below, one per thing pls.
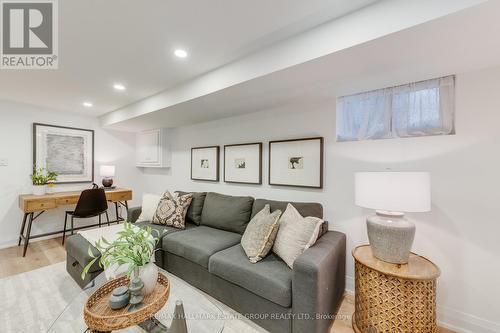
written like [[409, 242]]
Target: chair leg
[[107, 218], [99, 220], [64, 230], [72, 225]]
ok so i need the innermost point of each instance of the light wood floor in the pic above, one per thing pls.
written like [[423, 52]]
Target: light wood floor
[[48, 252]]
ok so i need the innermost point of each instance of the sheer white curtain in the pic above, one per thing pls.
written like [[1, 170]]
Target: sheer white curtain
[[424, 108], [415, 109], [364, 116]]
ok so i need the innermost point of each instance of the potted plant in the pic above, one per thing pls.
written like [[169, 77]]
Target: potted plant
[[40, 179], [134, 248]]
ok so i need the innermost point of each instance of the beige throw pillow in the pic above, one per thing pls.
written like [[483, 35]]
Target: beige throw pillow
[[172, 209], [260, 233], [295, 235], [149, 204]]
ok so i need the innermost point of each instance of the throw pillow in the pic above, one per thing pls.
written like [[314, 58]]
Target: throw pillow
[[260, 233], [295, 235], [194, 212], [148, 208], [172, 210]]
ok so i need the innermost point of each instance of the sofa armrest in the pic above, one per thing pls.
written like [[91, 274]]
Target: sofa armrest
[[318, 283], [133, 214]]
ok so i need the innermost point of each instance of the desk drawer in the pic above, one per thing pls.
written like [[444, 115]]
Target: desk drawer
[[119, 196], [37, 205], [66, 201]]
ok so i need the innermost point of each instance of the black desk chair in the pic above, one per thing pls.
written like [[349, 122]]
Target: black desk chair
[[91, 203]]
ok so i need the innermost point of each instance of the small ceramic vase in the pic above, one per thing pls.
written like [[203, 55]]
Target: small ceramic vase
[[149, 276]]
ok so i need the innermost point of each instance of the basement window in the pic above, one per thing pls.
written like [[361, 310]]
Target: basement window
[[415, 109]]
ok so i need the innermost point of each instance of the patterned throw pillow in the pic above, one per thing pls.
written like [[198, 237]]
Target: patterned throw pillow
[[172, 209], [260, 233]]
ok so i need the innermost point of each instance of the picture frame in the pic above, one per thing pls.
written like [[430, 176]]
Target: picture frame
[[67, 151], [243, 163], [296, 162], [205, 163]]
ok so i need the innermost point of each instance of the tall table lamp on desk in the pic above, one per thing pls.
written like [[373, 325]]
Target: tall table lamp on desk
[[107, 173], [391, 194]]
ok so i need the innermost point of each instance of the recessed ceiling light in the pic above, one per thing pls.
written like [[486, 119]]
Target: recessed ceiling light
[[88, 104], [179, 53], [119, 86]]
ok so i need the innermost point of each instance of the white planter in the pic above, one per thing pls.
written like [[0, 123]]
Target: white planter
[[149, 275], [39, 189]]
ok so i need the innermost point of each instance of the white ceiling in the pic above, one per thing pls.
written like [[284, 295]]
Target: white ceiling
[[436, 48], [131, 42]]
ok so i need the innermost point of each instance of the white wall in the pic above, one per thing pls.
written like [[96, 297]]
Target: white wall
[[16, 120], [460, 234]]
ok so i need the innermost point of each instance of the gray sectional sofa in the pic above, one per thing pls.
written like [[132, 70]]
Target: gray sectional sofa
[[208, 255]]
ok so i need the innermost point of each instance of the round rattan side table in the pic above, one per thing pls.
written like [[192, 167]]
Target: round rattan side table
[[392, 297], [99, 317]]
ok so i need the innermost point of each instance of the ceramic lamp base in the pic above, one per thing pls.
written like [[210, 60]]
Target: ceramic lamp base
[[107, 182], [391, 236]]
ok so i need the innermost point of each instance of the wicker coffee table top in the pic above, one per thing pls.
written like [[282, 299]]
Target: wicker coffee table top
[[100, 317], [417, 268]]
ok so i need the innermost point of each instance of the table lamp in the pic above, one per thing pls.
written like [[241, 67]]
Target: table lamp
[[107, 172], [392, 194]]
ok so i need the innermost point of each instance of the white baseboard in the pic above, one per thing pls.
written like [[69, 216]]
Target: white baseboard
[[463, 322], [452, 319]]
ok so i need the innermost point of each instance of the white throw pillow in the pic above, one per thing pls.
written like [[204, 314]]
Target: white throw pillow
[[295, 234], [149, 204]]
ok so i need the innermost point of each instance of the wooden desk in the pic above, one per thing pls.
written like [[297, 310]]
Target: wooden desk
[[31, 204]]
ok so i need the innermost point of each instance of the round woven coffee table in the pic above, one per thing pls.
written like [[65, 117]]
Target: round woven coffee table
[[99, 317], [394, 297]]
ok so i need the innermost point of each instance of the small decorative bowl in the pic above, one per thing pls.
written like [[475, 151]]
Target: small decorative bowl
[[119, 298]]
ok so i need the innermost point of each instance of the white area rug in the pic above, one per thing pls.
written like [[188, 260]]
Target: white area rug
[[30, 302]]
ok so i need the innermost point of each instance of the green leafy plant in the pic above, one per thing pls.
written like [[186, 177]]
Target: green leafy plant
[[133, 247], [41, 176]]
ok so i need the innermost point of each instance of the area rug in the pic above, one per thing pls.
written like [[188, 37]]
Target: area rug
[[32, 301]]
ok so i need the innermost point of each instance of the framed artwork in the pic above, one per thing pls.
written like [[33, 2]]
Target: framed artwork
[[297, 162], [67, 151], [243, 163], [205, 163]]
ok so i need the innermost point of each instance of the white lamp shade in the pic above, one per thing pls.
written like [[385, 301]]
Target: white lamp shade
[[107, 171], [393, 191]]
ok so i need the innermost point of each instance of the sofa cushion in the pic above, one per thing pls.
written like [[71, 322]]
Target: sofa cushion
[[227, 212], [194, 212], [161, 228], [304, 208], [198, 244], [270, 278]]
